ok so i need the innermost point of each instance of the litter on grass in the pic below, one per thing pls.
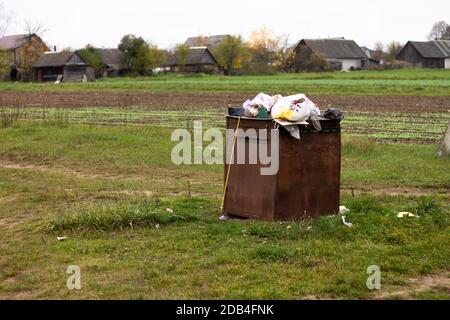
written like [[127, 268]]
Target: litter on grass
[[406, 215], [61, 238], [343, 210], [348, 224]]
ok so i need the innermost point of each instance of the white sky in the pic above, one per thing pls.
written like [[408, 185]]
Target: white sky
[[166, 23]]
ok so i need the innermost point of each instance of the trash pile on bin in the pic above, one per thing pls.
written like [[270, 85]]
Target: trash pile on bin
[[288, 112]]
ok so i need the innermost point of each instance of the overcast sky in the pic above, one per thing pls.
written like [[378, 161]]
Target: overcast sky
[[168, 22]]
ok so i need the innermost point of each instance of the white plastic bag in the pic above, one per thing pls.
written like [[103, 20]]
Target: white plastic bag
[[297, 108], [262, 100]]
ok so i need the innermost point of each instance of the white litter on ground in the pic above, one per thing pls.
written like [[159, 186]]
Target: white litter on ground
[[406, 214], [348, 224]]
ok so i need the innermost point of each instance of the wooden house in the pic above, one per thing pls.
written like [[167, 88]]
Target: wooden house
[[63, 66], [112, 61], [206, 41], [20, 52], [341, 54], [198, 59], [429, 54]]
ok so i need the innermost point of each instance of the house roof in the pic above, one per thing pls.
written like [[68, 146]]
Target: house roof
[[335, 48], [209, 41], [13, 41], [369, 52], [111, 58], [432, 49], [58, 59], [195, 56]]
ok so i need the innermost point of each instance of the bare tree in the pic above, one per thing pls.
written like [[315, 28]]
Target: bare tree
[[5, 19], [393, 49], [286, 55], [378, 49], [35, 28], [31, 50], [5, 56], [440, 31]]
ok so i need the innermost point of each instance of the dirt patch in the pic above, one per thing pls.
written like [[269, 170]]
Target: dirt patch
[[428, 283], [65, 171], [400, 191], [177, 101]]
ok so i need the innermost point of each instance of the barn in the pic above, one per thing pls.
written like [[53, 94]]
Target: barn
[[340, 53], [112, 61], [198, 59], [208, 41], [22, 51], [65, 66], [430, 54]]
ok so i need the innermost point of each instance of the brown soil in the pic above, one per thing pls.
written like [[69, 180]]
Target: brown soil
[[425, 284], [147, 100]]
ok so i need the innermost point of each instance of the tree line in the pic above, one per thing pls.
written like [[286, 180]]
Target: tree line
[[262, 53]]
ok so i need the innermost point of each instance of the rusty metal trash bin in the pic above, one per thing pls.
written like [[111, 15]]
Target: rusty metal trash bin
[[308, 180]]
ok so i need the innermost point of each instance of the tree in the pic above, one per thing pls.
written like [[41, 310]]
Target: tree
[[316, 63], [440, 31], [264, 50], [393, 49], [182, 51], [31, 50], [157, 57], [5, 18], [286, 56], [135, 54], [230, 53], [89, 55], [5, 56], [379, 53]]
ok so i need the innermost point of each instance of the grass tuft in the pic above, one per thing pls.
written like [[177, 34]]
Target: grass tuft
[[126, 216], [275, 253]]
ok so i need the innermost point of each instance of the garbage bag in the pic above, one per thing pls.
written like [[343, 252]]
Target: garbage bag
[[295, 108], [262, 100], [236, 112], [333, 114]]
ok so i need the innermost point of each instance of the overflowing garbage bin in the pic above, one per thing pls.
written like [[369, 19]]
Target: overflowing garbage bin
[[307, 183]]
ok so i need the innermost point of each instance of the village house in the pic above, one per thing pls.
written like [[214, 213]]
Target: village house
[[64, 66], [340, 54], [206, 41], [18, 53], [198, 59], [112, 61], [371, 61], [430, 54]]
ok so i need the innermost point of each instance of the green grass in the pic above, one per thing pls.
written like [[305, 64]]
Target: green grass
[[107, 189], [418, 82]]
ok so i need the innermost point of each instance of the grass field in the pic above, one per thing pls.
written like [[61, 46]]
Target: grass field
[[411, 82], [103, 177], [107, 188]]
